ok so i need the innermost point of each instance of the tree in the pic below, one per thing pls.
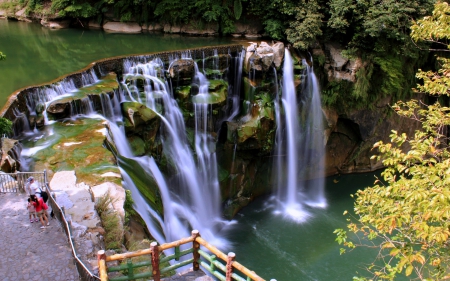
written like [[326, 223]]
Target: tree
[[406, 215]]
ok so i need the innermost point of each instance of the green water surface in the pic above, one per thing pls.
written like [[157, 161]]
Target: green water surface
[[278, 248], [36, 55]]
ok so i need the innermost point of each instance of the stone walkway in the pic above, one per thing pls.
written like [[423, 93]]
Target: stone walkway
[[34, 254], [28, 252]]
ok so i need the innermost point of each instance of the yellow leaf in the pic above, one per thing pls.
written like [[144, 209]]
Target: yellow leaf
[[394, 252], [409, 270]]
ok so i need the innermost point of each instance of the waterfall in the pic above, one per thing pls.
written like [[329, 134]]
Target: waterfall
[[192, 201], [299, 146], [205, 150], [41, 97], [234, 95], [89, 78], [314, 143]]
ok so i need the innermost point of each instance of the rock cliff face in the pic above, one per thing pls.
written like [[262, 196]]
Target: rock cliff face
[[244, 142]]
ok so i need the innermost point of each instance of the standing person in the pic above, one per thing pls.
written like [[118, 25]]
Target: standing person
[[31, 211], [31, 187], [42, 214]]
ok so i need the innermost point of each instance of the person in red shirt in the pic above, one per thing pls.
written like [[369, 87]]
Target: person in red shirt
[[40, 211]]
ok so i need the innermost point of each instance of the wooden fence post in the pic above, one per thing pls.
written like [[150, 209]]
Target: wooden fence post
[[101, 259], [155, 261], [196, 246], [230, 260]]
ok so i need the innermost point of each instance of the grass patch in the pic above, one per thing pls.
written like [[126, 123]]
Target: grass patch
[[111, 221]]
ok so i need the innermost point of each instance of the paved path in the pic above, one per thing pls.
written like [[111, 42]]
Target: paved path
[[28, 252], [33, 254]]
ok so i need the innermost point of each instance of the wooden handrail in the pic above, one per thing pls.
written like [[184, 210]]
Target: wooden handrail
[[224, 257], [195, 238]]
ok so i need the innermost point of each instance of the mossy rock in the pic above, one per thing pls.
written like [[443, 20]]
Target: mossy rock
[[182, 93], [217, 93], [137, 145], [77, 145], [137, 115]]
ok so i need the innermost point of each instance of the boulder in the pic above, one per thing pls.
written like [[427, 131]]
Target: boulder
[[59, 109], [337, 60], [278, 54], [337, 66], [55, 24], [168, 28], [155, 27], [122, 27], [93, 24], [260, 58], [182, 71], [142, 121]]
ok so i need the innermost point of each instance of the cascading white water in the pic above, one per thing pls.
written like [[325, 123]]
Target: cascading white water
[[195, 202], [314, 142], [89, 77], [234, 96], [299, 145], [205, 150]]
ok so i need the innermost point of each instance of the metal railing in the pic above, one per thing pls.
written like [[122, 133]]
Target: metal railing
[[58, 211], [15, 182], [223, 269]]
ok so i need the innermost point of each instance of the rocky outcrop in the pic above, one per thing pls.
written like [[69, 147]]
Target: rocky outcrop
[[352, 136], [337, 66], [182, 71], [261, 57], [10, 160], [78, 200]]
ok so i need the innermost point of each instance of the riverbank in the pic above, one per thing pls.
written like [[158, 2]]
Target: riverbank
[[17, 11]]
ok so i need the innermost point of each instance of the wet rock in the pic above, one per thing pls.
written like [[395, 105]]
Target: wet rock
[[182, 71], [60, 109]]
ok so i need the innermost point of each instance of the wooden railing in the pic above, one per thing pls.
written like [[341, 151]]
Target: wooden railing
[[225, 270]]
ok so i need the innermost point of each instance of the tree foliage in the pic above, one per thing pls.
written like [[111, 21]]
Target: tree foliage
[[406, 215], [5, 126], [2, 56]]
